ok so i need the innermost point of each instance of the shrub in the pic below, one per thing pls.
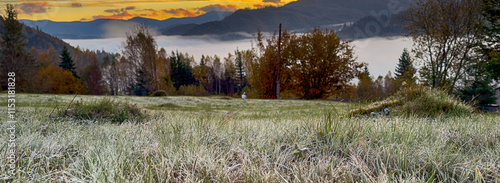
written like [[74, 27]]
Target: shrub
[[426, 102], [192, 90], [159, 93], [419, 101], [58, 81], [250, 92], [105, 109]]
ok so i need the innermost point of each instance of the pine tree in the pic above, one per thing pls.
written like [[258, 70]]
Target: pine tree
[[405, 69], [67, 62], [140, 87], [240, 71], [13, 56]]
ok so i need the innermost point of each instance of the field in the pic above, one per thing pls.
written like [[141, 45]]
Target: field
[[219, 139]]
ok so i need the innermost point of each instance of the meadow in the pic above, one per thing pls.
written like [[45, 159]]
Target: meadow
[[222, 139]]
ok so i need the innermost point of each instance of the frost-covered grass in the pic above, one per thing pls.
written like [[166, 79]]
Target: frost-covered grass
[[216, 139]]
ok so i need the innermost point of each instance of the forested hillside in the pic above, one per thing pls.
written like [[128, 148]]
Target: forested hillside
[[39, 40]]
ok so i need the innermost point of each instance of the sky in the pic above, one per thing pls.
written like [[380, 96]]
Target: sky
[[88, 10]]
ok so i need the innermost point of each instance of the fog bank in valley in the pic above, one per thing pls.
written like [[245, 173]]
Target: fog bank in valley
[[380, 53]]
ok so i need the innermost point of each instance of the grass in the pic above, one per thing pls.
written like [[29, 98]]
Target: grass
[[419, 101], [211, 139]]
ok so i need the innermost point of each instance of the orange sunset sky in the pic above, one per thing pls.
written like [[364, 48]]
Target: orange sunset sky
[[87, 10]]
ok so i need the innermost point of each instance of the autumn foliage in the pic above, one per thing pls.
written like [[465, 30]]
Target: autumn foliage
[[58, 81], [315, 65]]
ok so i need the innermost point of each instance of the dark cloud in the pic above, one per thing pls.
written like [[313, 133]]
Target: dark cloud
[[128, 8], [35, 7], [76, 5], [271, 1], [260, 5], [112, 11], [219, 7], [121, 15], [122, 10]]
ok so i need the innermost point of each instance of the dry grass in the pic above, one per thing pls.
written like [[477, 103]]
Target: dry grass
[[217, 140]]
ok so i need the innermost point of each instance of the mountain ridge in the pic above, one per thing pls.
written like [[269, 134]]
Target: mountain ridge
[[299, 15], [96, 28]]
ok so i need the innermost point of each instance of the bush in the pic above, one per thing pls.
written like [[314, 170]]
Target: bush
[[250, 92], [58, 81], [192, 90], [104, 109], [419, 101], [426, 102], [159, 93]]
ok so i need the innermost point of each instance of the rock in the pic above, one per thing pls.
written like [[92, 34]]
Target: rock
[[387, 111]]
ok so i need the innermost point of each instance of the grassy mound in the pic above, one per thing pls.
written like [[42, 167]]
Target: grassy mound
[[159, 93], [104, 110], [419, 101]]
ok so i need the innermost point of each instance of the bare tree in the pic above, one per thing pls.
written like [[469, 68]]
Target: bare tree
[[444, 34], [141, 53]]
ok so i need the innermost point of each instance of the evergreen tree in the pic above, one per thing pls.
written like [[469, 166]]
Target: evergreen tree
[[365, 87], [405, 69], [67, 62], [140, 88], [240, 70], [181, 70], [479, 92], [491, 36], [13, 56]]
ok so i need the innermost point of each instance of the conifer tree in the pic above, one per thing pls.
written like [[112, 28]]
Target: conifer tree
[[67, 62], [13, 56], [405, 69]]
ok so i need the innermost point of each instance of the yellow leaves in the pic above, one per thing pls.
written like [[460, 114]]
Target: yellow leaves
[[58, 81]]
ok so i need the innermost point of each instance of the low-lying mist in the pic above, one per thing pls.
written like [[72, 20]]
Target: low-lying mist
[[380, 53]]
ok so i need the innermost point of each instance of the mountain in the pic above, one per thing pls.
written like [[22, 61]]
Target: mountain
[[101, 28], [374, 26], [302, 14], [39, 40]]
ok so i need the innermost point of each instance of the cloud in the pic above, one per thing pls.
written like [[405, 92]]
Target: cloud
[[114, 29], [272, 1], [181, 12], [264, 5], [128, 8], [76, 5], [112, 11], [116, 16], [35, 7], [260, 5], [219, 7]]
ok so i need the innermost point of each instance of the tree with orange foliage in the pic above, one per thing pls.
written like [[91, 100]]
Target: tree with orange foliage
[[58, 81], [315, 65]]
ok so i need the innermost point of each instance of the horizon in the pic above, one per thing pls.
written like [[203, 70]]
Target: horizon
[[380, 59], [90, 10]]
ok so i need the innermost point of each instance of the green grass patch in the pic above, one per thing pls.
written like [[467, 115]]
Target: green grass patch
[[419, 101], [105, 109]]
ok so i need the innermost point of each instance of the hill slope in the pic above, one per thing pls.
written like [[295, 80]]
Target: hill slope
[[39, 40], [299, 15], [100, 28]]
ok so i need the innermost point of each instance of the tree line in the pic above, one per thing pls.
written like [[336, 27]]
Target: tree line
[[456, 51]]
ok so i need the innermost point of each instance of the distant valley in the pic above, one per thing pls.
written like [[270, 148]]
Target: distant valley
[[299, 15]]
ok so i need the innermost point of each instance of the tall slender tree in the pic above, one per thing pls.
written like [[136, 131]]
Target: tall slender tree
[[13, 55], [67, 62], [405, 71]]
